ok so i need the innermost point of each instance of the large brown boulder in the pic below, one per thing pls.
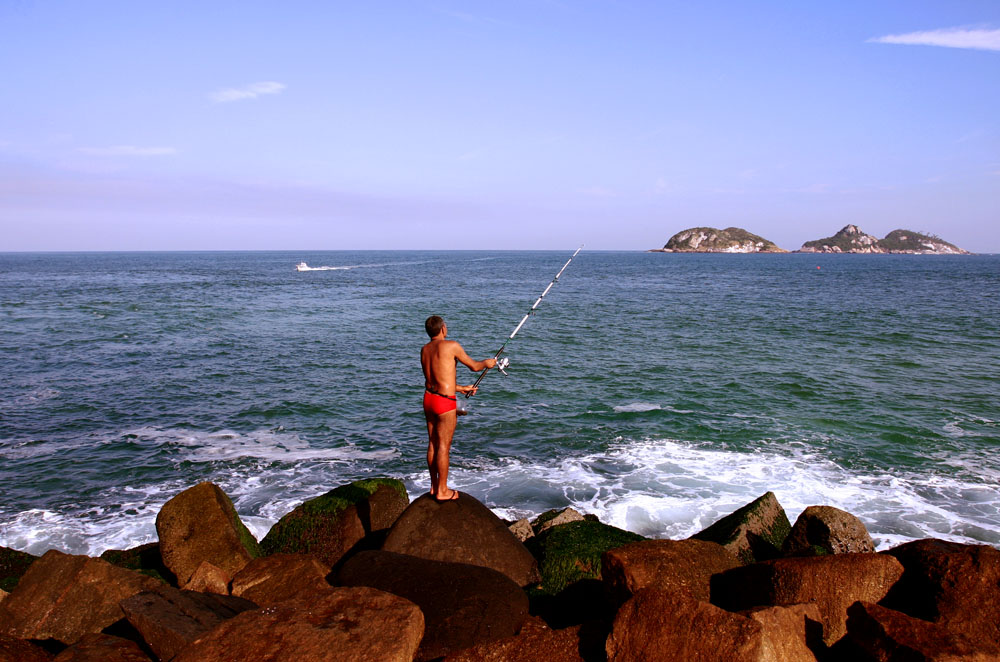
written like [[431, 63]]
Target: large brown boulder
[[169, 619], [461, 531], [463, 605], [673, 565], [13, 564], [201, 524], [13, 649], [280, 577], [833, 583], [356, 624], [535, 641], [64, 597], [823, 530], [663, 626], [103, 648], [955, 585], [886, 634], [755, 532], [791, 634], [331, 525]]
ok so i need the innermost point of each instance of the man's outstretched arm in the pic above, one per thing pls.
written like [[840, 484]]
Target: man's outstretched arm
[[474, 366]]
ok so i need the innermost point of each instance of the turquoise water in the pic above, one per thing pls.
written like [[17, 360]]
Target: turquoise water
[[658, 391]]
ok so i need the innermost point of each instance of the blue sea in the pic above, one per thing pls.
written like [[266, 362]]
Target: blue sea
[[658, 391]]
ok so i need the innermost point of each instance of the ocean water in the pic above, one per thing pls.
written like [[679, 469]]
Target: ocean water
[[658, 391]]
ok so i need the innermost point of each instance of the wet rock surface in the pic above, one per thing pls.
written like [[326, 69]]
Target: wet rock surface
[[952, 584], [13, 649], [333, 524], [64, 597], [827, 530], [169, 619], [657, 625], [755, 532], [201, 524], [209, 578], [358, 623], [886, 634], [463, 605], [461, 531], [535, 641], [676, 565], [833, 583], [280, 577], [103, 648]]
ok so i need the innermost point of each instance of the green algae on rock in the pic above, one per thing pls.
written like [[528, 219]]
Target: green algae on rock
[[570, 552], [329, 525], [755, 532], [13, 564], [144, 558]]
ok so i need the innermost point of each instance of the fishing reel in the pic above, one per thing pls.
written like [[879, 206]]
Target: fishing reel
[[502, 365]]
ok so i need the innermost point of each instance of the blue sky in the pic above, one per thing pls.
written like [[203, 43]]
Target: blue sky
[[518, 124]]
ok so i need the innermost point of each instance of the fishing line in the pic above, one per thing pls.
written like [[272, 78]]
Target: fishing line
[[503, 363]]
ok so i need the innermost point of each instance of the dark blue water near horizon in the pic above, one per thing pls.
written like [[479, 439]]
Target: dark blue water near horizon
[[658, 391]]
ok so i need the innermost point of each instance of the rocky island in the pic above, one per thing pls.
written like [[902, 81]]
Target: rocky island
[[851, 239], [712, 240], [362, 573]]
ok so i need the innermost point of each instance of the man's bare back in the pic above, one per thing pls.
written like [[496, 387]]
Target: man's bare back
[[438, 359]]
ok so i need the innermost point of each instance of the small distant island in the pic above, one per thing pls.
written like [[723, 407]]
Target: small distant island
[[850, 239], [712, 240]]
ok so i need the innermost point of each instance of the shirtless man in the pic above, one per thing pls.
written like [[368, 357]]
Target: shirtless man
[[438, 358]]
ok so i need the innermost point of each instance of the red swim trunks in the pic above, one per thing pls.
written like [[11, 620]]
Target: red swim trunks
[[439, 404]]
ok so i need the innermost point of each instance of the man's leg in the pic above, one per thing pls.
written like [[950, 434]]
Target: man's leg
[[432, 451], [444, 430]]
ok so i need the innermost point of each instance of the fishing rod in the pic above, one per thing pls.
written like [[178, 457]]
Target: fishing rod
[[504, 362]]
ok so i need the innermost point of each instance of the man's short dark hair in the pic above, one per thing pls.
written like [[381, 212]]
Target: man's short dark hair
[[434, 324]]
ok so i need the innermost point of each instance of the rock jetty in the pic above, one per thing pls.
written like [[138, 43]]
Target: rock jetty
[[851, 239], [713, 240], [361, 574]]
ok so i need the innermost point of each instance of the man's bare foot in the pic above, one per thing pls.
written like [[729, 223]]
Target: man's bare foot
[[451, 497]]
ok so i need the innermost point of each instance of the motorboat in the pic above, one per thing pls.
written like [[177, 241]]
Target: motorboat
[[302, 266]]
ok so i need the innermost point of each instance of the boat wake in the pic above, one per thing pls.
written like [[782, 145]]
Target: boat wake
[[302, 266]]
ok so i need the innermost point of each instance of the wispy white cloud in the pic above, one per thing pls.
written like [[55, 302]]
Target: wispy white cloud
[[977, 38], [251, 91], [128, 150]]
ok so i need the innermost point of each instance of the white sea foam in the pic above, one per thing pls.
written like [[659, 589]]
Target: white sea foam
[[266, 473], [31, 397], [664, 488], [12, 449], [636, 407], [273, 445], [655, 487]]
